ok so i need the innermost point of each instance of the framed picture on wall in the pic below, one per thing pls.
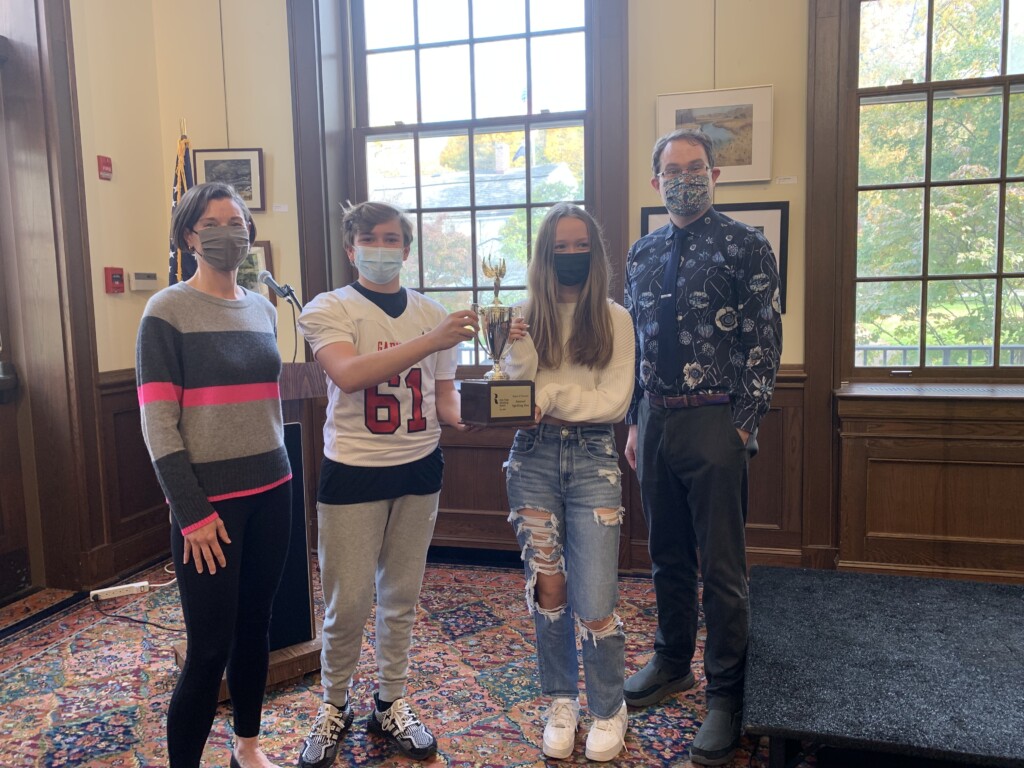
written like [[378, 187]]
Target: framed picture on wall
[[772, 219], [241, 168], [257, 261], [739, 122]]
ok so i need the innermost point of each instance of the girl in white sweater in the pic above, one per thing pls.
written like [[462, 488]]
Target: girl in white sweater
[[564, 483]]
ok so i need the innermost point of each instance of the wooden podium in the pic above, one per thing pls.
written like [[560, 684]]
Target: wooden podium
[[294, 630]]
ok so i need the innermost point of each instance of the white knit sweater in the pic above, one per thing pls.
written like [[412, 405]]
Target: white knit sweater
[[576, 393]]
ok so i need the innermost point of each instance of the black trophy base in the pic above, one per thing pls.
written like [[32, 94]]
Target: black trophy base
[[497, 402]]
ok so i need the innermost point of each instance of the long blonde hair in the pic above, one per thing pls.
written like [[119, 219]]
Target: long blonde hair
[[591, 338]]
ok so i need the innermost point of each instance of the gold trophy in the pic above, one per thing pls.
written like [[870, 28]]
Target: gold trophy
[[496, 399]]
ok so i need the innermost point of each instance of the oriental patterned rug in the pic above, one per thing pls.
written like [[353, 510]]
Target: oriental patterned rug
[[80, 688]]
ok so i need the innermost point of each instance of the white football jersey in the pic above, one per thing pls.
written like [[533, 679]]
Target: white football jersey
[[396, 421]]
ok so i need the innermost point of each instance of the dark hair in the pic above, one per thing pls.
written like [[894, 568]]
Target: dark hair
[[691, 135], [362, 218], [193, 204], [590, 341]]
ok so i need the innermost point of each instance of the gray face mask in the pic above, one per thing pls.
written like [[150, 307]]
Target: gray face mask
[[224, 248]]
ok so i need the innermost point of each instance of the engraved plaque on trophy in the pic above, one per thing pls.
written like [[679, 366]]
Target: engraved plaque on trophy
[[496, 399]]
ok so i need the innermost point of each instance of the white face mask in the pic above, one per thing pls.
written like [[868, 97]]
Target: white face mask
[[379, 265]]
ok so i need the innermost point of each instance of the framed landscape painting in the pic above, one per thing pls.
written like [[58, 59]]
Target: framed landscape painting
[[257, 261], [739, 122], [241, 168]]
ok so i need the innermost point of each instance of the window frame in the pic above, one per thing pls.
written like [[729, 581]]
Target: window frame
[[529, 121], [851, 95]]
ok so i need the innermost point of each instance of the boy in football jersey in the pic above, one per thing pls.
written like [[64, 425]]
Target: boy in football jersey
[[390, 358]]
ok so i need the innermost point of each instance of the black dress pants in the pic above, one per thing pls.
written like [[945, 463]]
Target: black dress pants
[[692, 467]]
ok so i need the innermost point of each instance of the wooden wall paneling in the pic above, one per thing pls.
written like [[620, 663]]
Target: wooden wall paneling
[[474, 506], [136, 521], [931, 484]]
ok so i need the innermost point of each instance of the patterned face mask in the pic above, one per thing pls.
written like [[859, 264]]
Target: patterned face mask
[[688, 194]]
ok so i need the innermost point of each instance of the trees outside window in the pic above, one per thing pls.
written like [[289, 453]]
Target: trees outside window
[[938, 278], [472, 115]]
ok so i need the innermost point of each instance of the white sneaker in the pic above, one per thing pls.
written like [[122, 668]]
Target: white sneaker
[[606, 737], [560, 731]]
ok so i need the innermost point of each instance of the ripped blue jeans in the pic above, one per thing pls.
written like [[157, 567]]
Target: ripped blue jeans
[[565, 497]]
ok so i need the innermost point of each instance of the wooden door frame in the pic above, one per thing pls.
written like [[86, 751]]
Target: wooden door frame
[[50, 293]]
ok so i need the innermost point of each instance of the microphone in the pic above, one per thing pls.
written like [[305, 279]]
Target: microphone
[[285, 291], [268, 280]]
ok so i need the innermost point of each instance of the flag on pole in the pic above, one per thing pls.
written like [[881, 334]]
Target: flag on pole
[[182, 264]]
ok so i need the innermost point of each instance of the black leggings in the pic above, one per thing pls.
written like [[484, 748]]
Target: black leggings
[[227, 618]]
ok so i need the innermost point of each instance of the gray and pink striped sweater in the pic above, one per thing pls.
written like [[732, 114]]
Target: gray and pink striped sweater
[[207, 371]]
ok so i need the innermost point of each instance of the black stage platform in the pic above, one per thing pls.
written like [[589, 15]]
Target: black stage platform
[[903, 670]]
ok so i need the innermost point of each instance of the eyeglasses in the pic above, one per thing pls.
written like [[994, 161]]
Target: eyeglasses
[[672, 172]]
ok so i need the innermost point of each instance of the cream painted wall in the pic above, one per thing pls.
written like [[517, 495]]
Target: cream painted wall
[[118, 112], [141, 66], [700, 45]]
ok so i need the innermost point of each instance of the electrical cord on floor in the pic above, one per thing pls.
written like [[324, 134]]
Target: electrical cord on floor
[[108, 614], [169, 569]]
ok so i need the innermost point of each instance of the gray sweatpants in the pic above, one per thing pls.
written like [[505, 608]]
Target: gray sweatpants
[[382, 543]]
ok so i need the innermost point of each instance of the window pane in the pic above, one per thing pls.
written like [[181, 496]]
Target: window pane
[[441, 20], [888, 324], [388, 23], [444, 78], [1013, 229], [390, 165], [499, 165], [565, 55], [500, 78], [893, 42], [963, 229], [391, 87], [967, 39], [447, 249], [556, 170], [890, 232], [453, 301], [411, 267], [444, 170], [498, 17], [1015, 62], [545, 14], [1015, 140], [961, 323], [892, 135], [502, 233], [1011, 337], [967, 134], [536, 217]]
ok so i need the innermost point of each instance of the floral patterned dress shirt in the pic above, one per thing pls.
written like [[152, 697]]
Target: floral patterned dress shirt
[[727, 311]]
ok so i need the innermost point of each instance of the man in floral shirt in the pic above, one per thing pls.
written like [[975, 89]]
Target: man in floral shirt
[[704, 295]]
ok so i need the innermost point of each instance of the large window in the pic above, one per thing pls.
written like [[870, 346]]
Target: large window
[[939, 272], [472, 116]]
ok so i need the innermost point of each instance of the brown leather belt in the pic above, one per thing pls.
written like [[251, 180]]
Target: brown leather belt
[[687, 401]]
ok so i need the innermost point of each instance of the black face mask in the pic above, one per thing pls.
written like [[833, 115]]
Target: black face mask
[[572, 268]]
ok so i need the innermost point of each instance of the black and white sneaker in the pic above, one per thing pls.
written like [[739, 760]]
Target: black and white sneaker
[[399, 725], [321, 746]]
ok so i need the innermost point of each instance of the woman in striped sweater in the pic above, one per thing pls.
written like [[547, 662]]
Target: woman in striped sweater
[[564, 484], [207, 368]]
